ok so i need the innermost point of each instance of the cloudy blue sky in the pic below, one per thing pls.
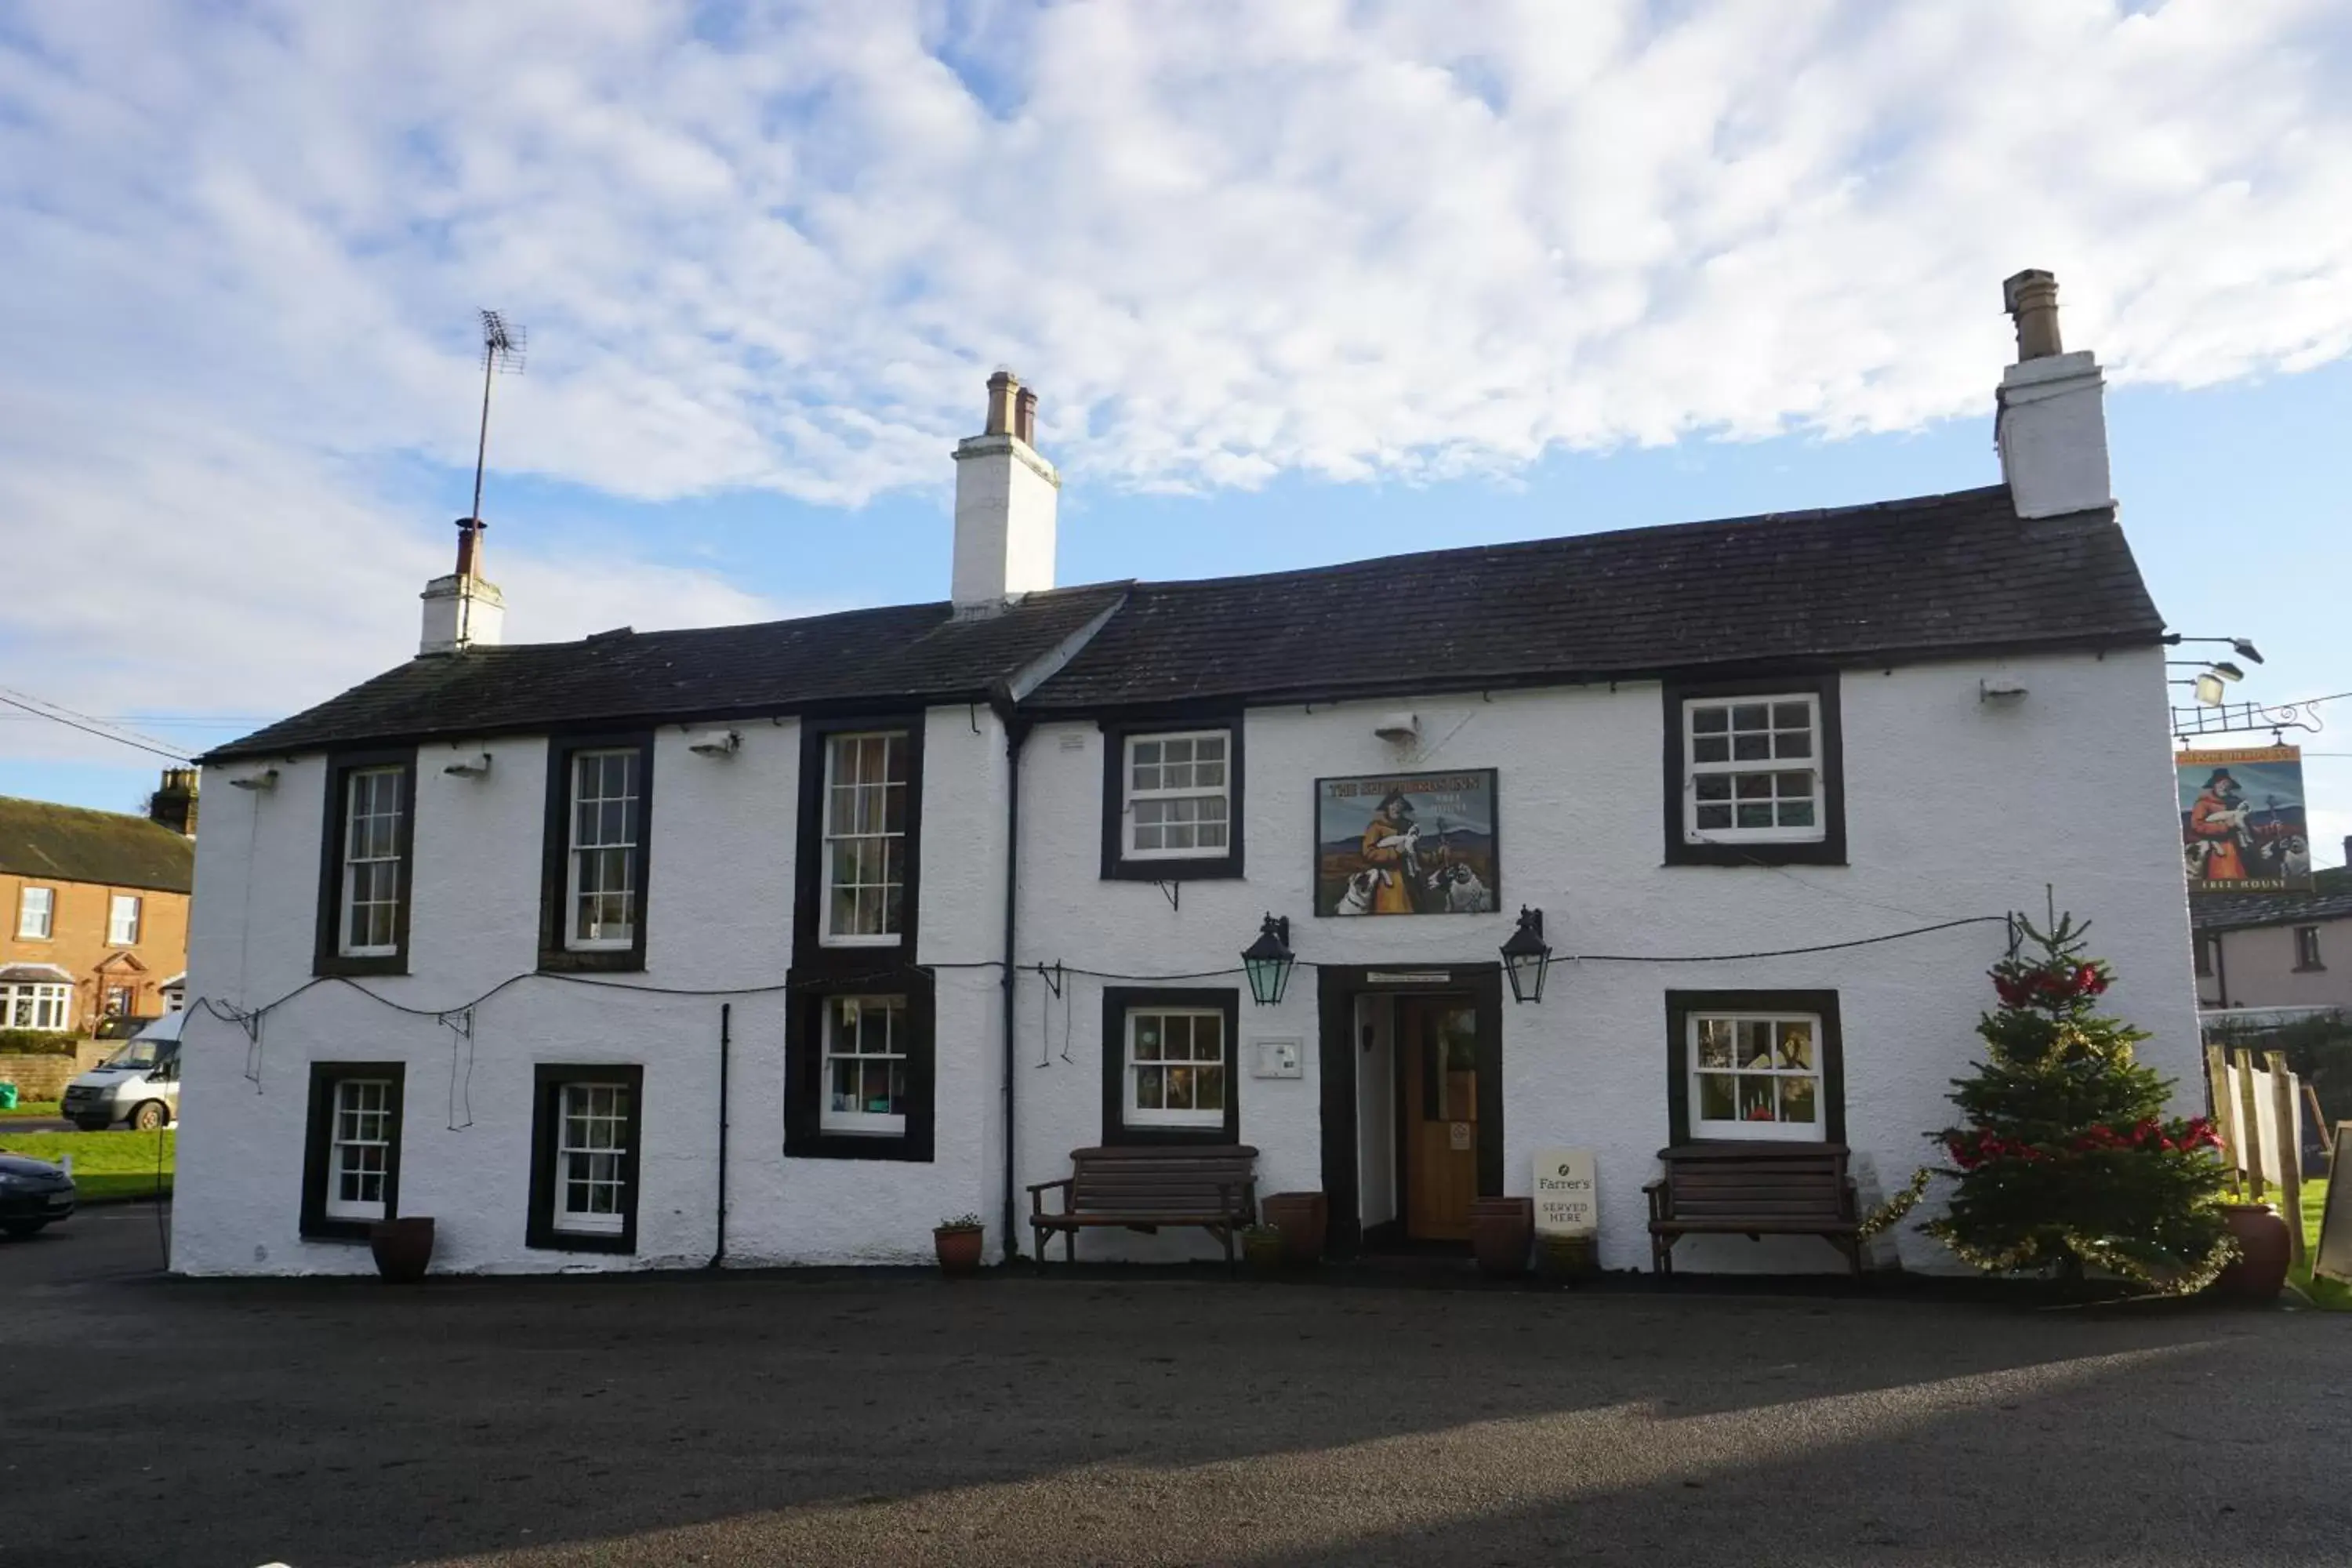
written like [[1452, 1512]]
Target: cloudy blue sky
[[1297, 283]]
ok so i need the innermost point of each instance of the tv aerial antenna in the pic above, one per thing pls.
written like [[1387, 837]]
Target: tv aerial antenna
[[503, 346]]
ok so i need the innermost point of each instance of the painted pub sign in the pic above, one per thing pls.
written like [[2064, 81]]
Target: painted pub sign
[[1407, 843], [2241, 820]]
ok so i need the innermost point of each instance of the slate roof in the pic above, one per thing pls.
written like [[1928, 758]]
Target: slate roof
[[2330, 899], [919, 652], [73, 844], [1934, 575]]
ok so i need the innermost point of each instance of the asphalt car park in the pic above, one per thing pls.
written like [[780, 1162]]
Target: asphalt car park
[[835, 1417]]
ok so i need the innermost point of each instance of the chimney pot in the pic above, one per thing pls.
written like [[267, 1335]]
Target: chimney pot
[[469, 546], [1001, 388], [2030, 297], [1025, 416]]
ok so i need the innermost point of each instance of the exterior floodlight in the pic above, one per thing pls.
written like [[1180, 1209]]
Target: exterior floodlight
[[2209, 690], [2244, 649], [1268, 961], [1527, 957], [2228, 671]]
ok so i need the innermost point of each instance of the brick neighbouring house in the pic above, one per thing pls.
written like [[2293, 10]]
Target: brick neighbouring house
[[94, 908]]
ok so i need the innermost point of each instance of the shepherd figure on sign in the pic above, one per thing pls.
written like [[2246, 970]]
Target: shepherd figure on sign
[[2218, 822], [1391, 847]]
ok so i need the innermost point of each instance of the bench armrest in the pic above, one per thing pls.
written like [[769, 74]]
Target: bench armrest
[[1661, 1196], [1037, 1191]]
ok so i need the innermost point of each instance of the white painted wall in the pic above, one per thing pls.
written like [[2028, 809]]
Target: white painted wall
[[1954, 807], [720, 902]]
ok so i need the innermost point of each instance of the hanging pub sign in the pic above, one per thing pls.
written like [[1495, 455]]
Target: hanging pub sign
[[2241, 820], [1407, 843]]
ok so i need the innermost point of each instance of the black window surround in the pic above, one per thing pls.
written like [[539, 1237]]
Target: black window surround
[[1827, 850], [315, 1225], [327, 956], [1119, 1001], [1681, 1005], [2203, 947], [1116, 734], [547, 1079], [554, 903], [2306, 949], [805, 1136], [812, 959]]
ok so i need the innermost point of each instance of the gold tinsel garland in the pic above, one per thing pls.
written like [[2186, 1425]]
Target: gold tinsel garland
[[1895, 1207], [2089, 1249]]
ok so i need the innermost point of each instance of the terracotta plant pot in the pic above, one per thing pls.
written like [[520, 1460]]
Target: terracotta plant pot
[[959, 1247], [2264, 1247], [1300, 1217], [1501, 1230], [1264, 1248], [402, 1247]]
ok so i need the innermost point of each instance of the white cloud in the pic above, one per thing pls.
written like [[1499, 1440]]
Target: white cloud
[[777, 247]]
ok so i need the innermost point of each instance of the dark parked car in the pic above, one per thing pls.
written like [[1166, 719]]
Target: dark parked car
[[33, 1193]]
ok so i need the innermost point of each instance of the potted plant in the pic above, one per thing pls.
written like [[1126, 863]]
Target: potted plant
[[402, 1247], [1262, 1245], [957, 1239], [1501, 1230], [1299, 1217], [2265, 1247]]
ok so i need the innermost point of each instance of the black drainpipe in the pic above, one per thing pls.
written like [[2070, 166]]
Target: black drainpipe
[[725, 1032], [1016, 731]]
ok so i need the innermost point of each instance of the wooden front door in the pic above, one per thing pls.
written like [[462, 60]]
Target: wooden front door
[[1437, 1064]]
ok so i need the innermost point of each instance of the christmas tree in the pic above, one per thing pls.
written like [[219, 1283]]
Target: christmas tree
[[2068, 1157]]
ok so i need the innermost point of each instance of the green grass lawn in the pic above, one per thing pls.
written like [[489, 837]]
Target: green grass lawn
[[105, 1164], [2332, 1294], [32, 1108]]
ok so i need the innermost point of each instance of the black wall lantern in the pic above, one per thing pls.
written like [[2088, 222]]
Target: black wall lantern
[[1268, 961], [1527, 957]]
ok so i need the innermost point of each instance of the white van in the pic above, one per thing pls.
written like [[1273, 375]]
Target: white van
[[138, 1084]]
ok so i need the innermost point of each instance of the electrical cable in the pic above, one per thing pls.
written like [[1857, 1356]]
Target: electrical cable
[[251, 1021], [89, 729]]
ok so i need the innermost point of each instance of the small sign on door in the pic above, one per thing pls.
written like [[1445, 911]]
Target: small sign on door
[[1566, 1196], [1458, 1135]]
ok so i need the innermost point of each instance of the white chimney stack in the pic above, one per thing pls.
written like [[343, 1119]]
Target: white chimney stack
[[2051, 422], [463, 610], [1005, 501]]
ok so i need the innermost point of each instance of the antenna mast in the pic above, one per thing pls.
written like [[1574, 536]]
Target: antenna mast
[[503, 343]]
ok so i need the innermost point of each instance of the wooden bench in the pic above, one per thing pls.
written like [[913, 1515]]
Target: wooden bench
[[1143, 1187], [1753, 1190]]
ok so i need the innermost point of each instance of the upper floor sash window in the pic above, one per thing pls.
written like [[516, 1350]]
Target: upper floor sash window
[[602, 898], [863, 898]]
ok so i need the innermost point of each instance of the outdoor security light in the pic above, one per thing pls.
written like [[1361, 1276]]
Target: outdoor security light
[[1268, 961], [2208, 690], [1527, 957]]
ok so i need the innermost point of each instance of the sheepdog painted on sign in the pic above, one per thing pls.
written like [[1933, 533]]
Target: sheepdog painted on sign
[[1407, 843], [2241, 820]]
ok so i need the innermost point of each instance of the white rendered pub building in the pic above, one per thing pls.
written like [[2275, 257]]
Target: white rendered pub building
[[780, 943]]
